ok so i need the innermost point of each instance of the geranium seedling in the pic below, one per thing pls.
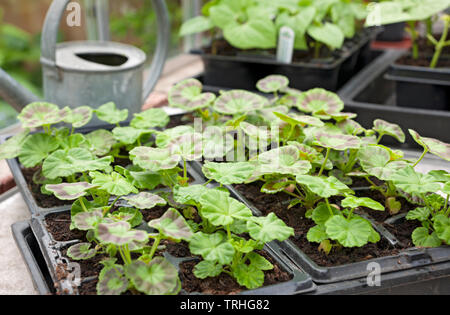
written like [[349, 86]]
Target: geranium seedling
[[239, 102], [111, 114]]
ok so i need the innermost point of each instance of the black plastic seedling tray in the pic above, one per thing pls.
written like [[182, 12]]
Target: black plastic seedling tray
[[421, 87], [392, 32], [243, 71], [407, 259], [52, 252], [29, 249], [370, 95], [23, 186]]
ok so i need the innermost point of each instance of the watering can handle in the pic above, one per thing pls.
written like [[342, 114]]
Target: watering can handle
[[50, 36]]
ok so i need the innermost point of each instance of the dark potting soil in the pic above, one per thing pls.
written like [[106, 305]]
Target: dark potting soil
[[58, 225], [180, 120], [423, 61], [402, 230], [295, 218], [43, 201], [224, 284]]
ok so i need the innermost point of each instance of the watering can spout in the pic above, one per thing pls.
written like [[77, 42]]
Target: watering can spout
[[13, 93]]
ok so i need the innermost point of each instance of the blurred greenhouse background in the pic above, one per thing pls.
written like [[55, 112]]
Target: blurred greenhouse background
[[131, 21]]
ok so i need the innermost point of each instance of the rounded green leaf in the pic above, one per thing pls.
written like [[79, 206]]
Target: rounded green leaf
[[442, 227], [434, 146], [376, 161], [109, 113], [81, 251], [40, 114], [228, 173], [188, 146], [420, 213], [385, 128], [412, 182], [216, 142], [36, 148], [69, 191], [255, 33], [221, 210], [129, 135], [302, 120], [99, 142], [112, 282], [154, 159], [185, 92], [86, 221], [151, 118], [319, 102], [79, 116], [212, 247], [254, 132], [131, 215], [353, 202], [327, 33], [337, 142], [64, 163], [324, 187], [207, 268], [349, 233], [269, 228], [145, 200], [119, 233], [283, 160], [272, 83], [321, 213], [11, 147], [196, 25], [317, 234], [114, 183], [172, 225], [164, 138], [422, 238], [189, 195], [236, 102], [159, 277], [249, 276]]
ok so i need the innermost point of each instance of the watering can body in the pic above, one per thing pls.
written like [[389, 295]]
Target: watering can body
[[92, 72], [95, 73]]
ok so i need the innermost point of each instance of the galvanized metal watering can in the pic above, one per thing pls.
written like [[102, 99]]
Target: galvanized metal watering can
[[91, 72]]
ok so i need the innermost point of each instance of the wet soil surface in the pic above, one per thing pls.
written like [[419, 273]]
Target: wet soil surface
[[295, 218]]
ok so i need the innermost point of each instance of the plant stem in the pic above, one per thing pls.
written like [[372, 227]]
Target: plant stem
[[317, 47], [440, 45], [293, 195], [329, 207], [228, 232], [155, 246], [184, 169], [379, 137], [414, 36], [82, 204], [421, 157], [351, 161], [324, 162]]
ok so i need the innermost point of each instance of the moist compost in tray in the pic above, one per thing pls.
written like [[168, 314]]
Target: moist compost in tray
[[225, 284], [58, 225], [422, 62], [295, 218], [220, 285], [43, 201]]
